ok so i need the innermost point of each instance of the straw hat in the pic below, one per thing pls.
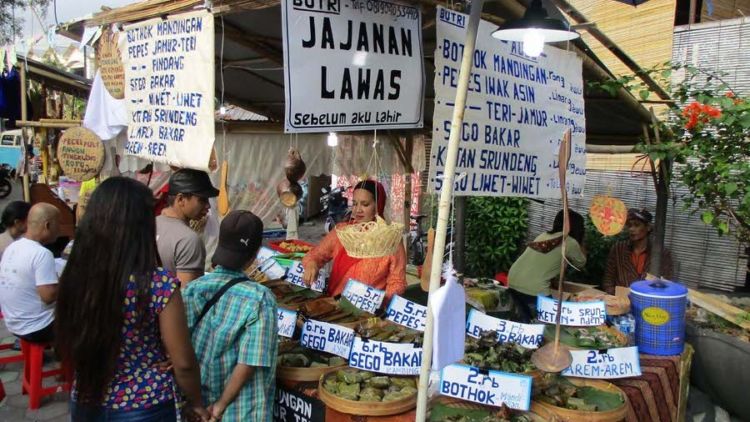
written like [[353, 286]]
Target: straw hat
[[373, 239]]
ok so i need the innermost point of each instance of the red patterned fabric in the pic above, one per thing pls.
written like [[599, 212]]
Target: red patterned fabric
[[655, 395]]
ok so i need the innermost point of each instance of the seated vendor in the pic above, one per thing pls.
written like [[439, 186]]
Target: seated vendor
[[533, 271], [385, 273], [629, 260]]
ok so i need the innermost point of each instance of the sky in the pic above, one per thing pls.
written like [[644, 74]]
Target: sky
[[66, 10]]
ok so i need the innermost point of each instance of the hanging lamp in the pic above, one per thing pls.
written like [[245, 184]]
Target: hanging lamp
[[534, 29]]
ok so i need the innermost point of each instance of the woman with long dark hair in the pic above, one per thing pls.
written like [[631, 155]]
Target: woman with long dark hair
[[533, 271], [13, 223], [119, 316]]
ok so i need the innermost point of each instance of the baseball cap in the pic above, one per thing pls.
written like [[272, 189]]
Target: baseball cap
[[641, 214], [240, 235], [193, 182]]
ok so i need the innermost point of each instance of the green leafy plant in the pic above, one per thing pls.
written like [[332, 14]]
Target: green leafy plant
[[495, 232], [11, 16]]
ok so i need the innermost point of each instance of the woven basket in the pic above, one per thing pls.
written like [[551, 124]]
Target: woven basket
[[373, 239]]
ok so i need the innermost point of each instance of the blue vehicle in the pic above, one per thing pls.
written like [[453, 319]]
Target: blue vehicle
[[11, 148]]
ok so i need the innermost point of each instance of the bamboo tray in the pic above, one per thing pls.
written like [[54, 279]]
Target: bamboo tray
[[467, 405], [549, 411], [300, 374], [366, 408]]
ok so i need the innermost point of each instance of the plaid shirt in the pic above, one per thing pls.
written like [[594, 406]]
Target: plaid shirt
[[239, 328]]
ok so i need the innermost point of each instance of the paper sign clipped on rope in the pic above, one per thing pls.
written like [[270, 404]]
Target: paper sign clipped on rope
[[384, 357], [407, 313], [577, 314], [492, 388], [526, 335], [364, 297], [295, 273], [621, 362], [325, 337], [287, 322], [268, 265]]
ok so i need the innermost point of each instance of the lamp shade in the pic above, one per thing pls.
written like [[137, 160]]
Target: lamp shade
[[554, 30]]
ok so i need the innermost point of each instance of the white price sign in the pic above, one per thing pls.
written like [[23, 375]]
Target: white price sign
[[407, 313], [385, 358], [578, 314], [287, 322], [622, 362], [268, 265], [492, 388], [364, 297], [526, 335], [327, 337], [294, 276]]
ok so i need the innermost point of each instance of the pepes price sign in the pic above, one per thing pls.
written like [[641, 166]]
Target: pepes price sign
[[294, 276], [407, 313], [577, 314], [364, 297], [622, 362], [492, 388], [325, 337], [385, 358]]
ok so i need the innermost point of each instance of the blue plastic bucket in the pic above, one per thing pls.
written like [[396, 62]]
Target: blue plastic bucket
[[659, 309]]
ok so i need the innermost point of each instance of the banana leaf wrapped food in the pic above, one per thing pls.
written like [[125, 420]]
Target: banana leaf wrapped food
[[364, 386]]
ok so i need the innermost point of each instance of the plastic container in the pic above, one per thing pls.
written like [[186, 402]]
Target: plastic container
[[659, 309]]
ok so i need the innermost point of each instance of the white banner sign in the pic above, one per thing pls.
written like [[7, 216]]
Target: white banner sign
[[526, 335], [287, 322], [622, 362], [327, 337], [407, 313], [169, 89], [364, 297], [385, 358], [517, 110], [580, 314], [295, 273], [493, 388], [352, 65]]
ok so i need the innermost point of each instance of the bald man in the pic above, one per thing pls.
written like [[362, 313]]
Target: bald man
[[28, 281]]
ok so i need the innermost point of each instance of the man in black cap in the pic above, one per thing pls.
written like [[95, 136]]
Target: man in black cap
[[233, 322], [180, 248], [629, 260]]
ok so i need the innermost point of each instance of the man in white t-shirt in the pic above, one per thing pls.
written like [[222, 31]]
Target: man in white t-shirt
[[28, 281]]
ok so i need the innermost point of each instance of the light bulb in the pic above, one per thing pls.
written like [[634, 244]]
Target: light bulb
[[333, 140], [222, 111], [533, 42]]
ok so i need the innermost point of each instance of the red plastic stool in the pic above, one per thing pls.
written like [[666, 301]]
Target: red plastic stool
[[18, 357], [33, 374]]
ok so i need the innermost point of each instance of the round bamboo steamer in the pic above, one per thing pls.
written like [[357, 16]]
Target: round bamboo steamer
[[366, 408], [288, 373], [547, 410], [463, 404]]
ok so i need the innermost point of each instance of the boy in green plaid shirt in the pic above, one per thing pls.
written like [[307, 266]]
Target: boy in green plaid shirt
[[235, 341]]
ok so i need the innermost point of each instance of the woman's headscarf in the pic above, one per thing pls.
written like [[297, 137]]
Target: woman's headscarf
[[378, 192]]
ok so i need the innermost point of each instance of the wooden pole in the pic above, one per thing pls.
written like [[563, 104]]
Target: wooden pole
[[662, 197], [24, 117], [446, 193]]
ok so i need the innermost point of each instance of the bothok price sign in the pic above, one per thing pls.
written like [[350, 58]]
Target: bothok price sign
[[287, 322], [493, 388], [578, 314], [526, 335], [364, 297], [517, 110], [622, 362], [169, 89], [352, 65], [407, 313], [295, 273], [385, 358], [327, 337]]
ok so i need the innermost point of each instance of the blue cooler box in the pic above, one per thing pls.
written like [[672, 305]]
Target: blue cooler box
[[659, 309]]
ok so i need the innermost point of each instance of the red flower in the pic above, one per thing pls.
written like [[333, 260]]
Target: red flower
[[697, 113]]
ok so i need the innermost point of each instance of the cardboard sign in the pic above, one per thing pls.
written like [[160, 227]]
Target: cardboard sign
[[352, 65], [287, 322], [492, 388], [526, 335], [80, 154], [385, 358], [293, 406], [169, 89], [295, 273], [109, 63], [407, 313], [325, 337], [517, 109], [579, 314], [364, 297], [622, 362]]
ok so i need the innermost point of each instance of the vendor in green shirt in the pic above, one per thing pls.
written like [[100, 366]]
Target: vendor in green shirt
[[539, 264]]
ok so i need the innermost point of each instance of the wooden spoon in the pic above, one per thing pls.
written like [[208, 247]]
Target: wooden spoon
[[555, 357]]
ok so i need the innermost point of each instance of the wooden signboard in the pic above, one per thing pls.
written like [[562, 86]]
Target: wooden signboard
[[110, 65], [80, 154]]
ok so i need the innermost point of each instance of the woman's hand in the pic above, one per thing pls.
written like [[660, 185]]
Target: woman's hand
[[197, 413], [311, 273], [217, 411]]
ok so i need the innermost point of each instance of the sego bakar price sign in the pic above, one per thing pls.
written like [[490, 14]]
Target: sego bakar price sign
[[621, 362], [492, 388], [407, 313], [364, 297], [577, 314], [325, 337], [385, 358]]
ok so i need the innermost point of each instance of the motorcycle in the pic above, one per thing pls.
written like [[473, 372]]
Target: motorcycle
[[6, 175], [336, 206]]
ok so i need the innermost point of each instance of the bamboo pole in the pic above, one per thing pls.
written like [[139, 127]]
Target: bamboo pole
[[24, 116], [444, 205]]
